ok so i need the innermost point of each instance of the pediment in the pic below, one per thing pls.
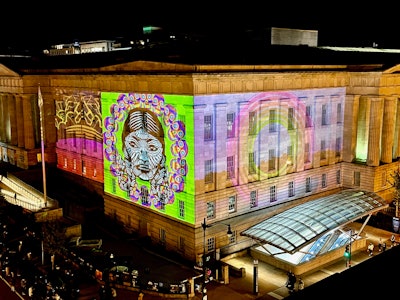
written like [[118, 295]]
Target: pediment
[[394, 69], [4, 71]]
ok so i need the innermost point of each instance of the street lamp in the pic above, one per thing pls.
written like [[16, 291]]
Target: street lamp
[[204, 225]]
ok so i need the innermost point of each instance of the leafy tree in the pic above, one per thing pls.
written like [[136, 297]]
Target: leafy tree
[[396, 192], [54, 237]]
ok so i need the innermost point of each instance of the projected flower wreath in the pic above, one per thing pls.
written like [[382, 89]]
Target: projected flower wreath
[[143, 147]]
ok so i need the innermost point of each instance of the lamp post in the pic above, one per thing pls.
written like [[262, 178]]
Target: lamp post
[[204, 225]]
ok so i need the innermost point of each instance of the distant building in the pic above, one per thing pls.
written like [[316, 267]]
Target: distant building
[[294, 37]]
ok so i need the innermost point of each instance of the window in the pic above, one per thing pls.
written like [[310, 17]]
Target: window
[[210, 244], [162, 236], [271, 159], [181, 209], [181, 245], [307, 153], [339, 113], [338, 177], [338, 146], [144, 193], [252, 123], [230, 167], [232, 204], [272, 193], [291, 189], [210, 210], [308, 184], [252, 163], [323, 181], [384, 178], [289, 155], [208, 171], [253, 199], [323, 150], [325, 116], [272, 121], [208, 126], [291, 118], [230, 125], [232, 238], [357, 178], [308, 116]]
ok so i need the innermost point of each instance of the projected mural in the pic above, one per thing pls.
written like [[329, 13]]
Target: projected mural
[[147, 159]]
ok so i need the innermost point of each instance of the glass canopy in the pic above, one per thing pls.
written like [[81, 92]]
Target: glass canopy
[[293, 229]]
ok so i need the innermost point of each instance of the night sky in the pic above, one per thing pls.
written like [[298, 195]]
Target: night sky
[[40, 25]]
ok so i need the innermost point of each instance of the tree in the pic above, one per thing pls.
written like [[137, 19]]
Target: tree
[[396, 192], [54, 237]]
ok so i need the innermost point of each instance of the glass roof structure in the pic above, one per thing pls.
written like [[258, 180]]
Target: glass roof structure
[[295, 228]]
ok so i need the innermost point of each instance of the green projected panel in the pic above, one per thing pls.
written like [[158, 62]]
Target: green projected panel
[[148, 151]]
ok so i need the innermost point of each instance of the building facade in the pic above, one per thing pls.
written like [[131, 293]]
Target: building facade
[[230, 145]]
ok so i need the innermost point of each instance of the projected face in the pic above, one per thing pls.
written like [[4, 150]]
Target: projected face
[[143, 143]]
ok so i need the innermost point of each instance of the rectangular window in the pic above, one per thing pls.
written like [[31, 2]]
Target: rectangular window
[[291, 118], [384, 180], [357, 178], [230, 125], [163, 238], [210, 244], [308, 184], [339, 113], [230, 167], [338, 177], [252, 123], [289, 160], [232, 204], [324, 181], [208, 126], [308, 117], [232, 238], [307, 153], [271, 159], [144, 195], [208, 171], [272, 194], [324, 115], [338, 146], [253, 199], [252, 163], [291, 189], [181, 209], [210, 210], [272, 121], [323, 150], [181, 245]]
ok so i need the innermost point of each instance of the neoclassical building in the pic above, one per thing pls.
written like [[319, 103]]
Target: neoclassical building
[[171, 144]]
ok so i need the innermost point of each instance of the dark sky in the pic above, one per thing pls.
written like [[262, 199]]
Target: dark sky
[[41, 25]]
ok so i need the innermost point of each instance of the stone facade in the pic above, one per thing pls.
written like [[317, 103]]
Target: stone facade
[[355, 147]]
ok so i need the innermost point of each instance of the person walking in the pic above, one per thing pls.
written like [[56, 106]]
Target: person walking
[[300, 285], [393, 240], [370, 249], [291, 282]]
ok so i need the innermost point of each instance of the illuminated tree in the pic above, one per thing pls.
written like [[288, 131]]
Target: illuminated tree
[[396, 192]]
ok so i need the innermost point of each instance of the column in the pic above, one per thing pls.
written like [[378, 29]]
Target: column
[[388, 129], [375, 131]]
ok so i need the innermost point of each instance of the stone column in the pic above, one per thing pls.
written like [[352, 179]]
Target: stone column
[[29, 122], [375, 131], [220, 145], [13, 117], [388, 128]]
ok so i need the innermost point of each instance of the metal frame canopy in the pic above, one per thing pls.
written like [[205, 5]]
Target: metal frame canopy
[[298, 226]]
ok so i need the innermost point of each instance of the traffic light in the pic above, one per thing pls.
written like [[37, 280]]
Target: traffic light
[[347, 253]]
